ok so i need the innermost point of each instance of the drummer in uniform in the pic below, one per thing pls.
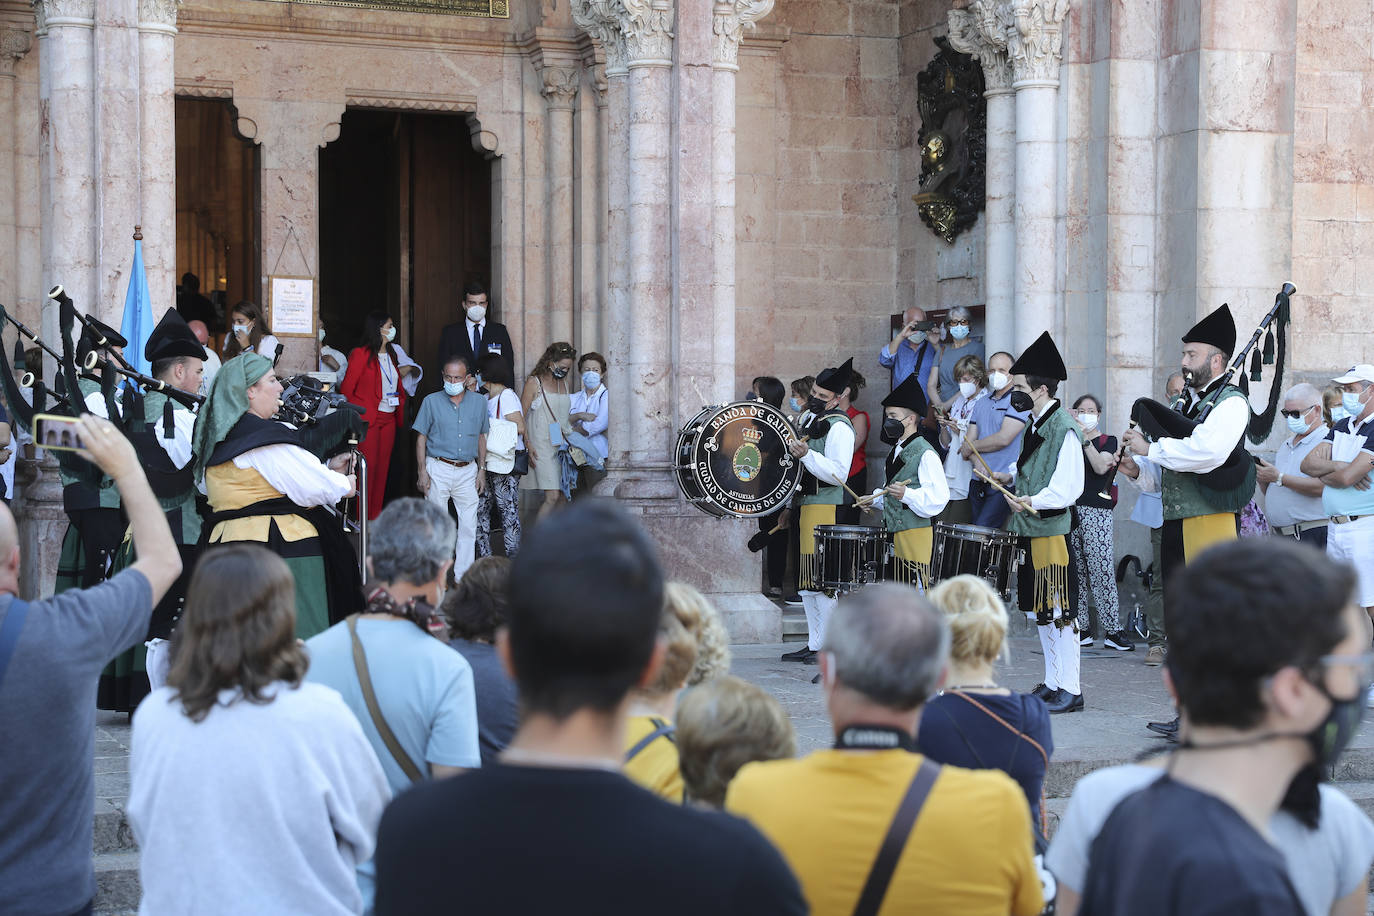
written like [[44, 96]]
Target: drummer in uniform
[[825, 455], [1049, 479], [917, 489]]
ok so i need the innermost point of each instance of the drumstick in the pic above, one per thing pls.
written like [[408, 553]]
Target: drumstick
[[1004, 491], [868, 500]]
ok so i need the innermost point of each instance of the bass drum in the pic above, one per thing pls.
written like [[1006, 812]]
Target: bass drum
[[733, 461]]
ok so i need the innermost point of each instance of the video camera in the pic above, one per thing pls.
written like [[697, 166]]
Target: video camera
[[305, 400]]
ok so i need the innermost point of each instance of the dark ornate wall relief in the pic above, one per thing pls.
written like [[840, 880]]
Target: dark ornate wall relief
[[952, 141]]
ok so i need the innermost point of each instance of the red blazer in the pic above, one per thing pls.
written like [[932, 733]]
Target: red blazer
[[362, 384]]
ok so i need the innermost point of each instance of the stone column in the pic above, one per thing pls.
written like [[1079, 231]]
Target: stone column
[[730, 18], [117, 155], [14, 44], [42, 522], [66, 29], [980, 30], [560, 90], [1033, 47], [157, 163]]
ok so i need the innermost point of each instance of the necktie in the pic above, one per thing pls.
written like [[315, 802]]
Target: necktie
[[476, 340]]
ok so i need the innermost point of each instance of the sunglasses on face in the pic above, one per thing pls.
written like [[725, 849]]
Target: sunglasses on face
[[1296, 414], [957, 322]]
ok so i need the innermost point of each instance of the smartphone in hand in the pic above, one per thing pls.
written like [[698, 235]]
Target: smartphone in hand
[[56, 433]]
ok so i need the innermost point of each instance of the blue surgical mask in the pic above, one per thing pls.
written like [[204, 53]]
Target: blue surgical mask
[[591, 379], [1338, 414], [1350, 400], [959, 331], [453, 389], [1296, 424], [795, 404]]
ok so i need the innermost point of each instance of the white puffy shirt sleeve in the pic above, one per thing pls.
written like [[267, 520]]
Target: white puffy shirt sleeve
[[832, 467], [296, 473], [930, 498], [1149, 480], [1066, 483], [1211, 441], [178, 448]]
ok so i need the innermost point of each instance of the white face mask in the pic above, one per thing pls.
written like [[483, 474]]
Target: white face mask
[[476, 313], [1088, 421], [389, 334], [998, 380], [967, 389]]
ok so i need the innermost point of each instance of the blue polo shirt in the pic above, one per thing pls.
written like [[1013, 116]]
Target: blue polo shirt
[[451, 430], [908, 359], [1348, 500], [988, 413]]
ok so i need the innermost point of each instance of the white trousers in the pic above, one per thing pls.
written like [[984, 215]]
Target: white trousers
[[446, 483], [1062, 658], [1353, 543], [818, 607]]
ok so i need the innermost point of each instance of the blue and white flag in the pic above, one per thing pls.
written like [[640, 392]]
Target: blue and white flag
[[138, 322]]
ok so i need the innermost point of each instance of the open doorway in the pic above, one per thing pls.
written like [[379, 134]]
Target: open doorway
[[405, 222], [218, 215]]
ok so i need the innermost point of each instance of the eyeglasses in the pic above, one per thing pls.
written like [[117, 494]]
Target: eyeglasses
[[1295, 414], [1362, 662], [956, 322]]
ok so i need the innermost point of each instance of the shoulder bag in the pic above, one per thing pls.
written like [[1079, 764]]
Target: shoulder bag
[[555, 431], [880, 876], [398, 753], [502, 436]]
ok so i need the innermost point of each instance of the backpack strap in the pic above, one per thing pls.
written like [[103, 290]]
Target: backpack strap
[[398, 753], [662, 729], [9, 632], [875, 888]]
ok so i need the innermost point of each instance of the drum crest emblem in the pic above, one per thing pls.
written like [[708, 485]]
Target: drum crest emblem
[[748, 459]]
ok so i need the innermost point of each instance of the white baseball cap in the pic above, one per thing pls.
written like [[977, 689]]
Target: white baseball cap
[[1361, 373]]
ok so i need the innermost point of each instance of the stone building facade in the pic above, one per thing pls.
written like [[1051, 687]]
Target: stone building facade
[[709, 190]]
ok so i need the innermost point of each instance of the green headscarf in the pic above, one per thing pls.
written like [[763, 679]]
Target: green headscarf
[[225, 404]]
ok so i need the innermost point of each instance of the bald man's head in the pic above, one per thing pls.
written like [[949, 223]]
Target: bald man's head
[[199, 329], [9, 551]]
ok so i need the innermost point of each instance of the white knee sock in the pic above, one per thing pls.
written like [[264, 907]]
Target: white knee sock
[[814, 626], [1050, 646], [1070, 658]]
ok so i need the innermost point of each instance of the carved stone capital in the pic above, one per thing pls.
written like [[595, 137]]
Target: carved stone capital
[[50, 13], [600, 19], [1035, 40], [730, 19], [157, 13], [980, 29], [599, 83], [648, 29], [560, 86], [14, 44]]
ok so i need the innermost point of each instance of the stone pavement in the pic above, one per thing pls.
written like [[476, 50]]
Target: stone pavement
[[1121, 694]]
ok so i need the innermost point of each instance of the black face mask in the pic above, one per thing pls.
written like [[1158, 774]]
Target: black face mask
[[815, 405], [1021, 402], [892, 431]]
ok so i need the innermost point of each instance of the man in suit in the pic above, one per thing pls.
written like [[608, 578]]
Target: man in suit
[[475, 336]]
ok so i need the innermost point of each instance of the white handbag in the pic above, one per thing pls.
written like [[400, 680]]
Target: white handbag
[[501, 439]]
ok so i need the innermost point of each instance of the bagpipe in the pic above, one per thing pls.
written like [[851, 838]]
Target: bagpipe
[[1165, 421]]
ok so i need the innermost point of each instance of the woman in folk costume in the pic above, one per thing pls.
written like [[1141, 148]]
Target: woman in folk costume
[[1049, 479], [826, 454], [917, 489], [160, 426], [264, 487]]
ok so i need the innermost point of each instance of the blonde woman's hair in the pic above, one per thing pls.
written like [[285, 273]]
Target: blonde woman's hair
[[699, 616], [677, 628], [721, 726], [976, 616]]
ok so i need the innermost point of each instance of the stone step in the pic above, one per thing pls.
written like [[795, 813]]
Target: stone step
[[793, 625], [117, 890]]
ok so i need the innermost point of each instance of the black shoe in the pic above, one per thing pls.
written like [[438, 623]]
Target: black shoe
[[1167, 729], [1041, 691], [802, 655], [812, 659], [1063, 701], [1119, 641], [793, 600]]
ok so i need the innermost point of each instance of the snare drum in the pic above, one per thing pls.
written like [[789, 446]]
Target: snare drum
[[987, 553], [850, 556]]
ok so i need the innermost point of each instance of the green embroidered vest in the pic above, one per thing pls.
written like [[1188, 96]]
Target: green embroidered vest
[[1033, 474], [825, 494], [897, 516], [1183, 492]]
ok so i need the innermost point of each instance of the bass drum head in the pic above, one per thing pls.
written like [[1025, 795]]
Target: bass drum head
[[734, 460]]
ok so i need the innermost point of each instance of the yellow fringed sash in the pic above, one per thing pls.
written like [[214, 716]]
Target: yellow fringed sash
[[1202, 531], [1050, 563], [809, 575], [912, 550]]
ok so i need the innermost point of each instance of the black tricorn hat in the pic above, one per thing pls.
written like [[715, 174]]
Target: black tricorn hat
[[836, 380], [908, 394], [1217, 329], [172, 337], [1041, 358], [90, 339]]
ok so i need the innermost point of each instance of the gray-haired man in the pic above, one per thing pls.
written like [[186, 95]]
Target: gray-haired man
[[1292, 499]]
